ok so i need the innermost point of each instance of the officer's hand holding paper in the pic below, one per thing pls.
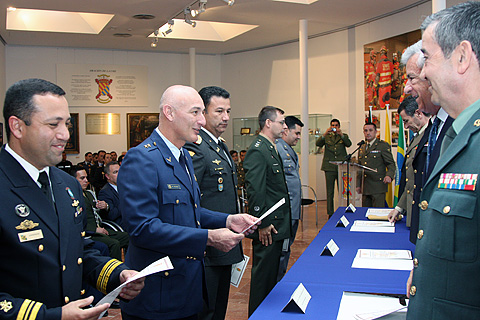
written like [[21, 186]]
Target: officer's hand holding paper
[[269, 211]]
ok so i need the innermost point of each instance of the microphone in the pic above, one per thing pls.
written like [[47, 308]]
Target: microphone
[[361, 143]]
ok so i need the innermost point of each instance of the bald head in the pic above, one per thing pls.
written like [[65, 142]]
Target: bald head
[[181, 114]]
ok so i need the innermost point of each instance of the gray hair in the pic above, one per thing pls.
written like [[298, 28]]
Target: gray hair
[[413, 50], [454, 25]]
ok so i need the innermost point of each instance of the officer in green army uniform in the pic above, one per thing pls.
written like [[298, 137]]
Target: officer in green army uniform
[[266, 185], [336, 143], [375, 154]]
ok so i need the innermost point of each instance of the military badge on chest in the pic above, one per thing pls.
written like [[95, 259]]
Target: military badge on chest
[[219, 171], [75, 203]]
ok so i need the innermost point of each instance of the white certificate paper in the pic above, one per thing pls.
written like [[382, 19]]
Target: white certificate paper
[[273, 208], [157, 266]]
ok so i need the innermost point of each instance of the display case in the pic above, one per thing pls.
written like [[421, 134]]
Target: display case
[[246, 129]]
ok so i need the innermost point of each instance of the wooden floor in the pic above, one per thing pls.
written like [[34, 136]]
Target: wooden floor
[[238, 300]]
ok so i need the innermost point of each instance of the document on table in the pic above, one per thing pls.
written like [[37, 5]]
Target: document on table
[[373, 226], [363, 306], [383, 259], [273, 208], [378, 213], [157, 266]]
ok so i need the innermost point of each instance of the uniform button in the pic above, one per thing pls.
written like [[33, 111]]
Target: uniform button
[[406, 168], [79, 261], [413, 290], [408, 156], [167, 274], [198, 222], [195, 206], [177, 201], [423, 205], [408, 191], [365, 162], [415, 262], [406, 179], [420, 234], [414, 186], [64, 267], [67, 299], [413, 202], [82, 292], [415, 171], [83, 233], [446, 209], [276, 217], [365, 175], [40, 248]]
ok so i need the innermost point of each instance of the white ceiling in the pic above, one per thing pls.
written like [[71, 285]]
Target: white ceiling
[[278, 22]]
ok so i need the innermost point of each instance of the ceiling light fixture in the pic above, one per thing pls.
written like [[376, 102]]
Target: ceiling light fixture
[[155, 40], [202, 6], [186, 12], [229, 2]]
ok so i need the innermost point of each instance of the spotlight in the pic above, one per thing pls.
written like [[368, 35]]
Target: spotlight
[[154, 43], [186, 12], [201, 8], [229, 2]]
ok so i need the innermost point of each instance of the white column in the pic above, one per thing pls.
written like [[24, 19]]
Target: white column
[[438, 5], [303, 38], [191, 53]]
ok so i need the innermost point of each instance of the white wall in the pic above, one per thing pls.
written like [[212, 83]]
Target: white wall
[[164, 69]]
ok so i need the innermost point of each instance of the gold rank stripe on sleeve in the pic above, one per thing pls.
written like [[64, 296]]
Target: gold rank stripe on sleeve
[[104, 276], [29, 310]]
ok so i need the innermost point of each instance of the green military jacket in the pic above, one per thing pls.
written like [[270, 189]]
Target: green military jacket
[[335, 149], [266, 185], [378, 156]]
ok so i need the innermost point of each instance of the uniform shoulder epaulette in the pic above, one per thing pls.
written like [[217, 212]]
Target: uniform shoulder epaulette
[[150, 145], [257, 144], [221, 139], [199, 140]]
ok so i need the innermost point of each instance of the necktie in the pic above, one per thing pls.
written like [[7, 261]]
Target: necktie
[[447, 140], [223, 146], [183, 163], [432, 139], [45, 182]]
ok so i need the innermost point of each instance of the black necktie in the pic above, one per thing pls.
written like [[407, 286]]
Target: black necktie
[[45, 182], [432, 139], [223, 146]]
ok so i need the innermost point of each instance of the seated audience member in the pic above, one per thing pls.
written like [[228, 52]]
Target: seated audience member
[[109, 194], [113, 239]]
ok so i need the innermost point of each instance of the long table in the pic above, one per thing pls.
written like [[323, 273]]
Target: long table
[[326, 277]]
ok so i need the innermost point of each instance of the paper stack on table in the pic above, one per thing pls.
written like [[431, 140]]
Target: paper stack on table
[[383, 259], [363, 306], [373, 226], [378, 213]]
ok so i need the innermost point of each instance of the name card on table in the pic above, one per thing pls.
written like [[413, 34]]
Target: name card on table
[[350, 208], [343, 222], [330, 249], [298, 301]]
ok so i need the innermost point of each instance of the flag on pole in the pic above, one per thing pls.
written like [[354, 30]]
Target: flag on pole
[[400, 159], [388, 139]]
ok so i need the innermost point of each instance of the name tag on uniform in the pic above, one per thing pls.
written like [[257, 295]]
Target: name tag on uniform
[[30, 235], [458, 181], [173, 186]]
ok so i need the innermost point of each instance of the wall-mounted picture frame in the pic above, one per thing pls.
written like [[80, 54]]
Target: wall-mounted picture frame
[[73, 144], [140, 126], [244, 131]]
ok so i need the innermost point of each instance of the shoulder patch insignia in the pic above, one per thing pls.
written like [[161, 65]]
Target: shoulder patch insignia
[[199, 140], [477, 123], [191, 153]]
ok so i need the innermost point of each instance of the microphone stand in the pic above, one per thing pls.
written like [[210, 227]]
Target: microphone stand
[[348, 159]]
